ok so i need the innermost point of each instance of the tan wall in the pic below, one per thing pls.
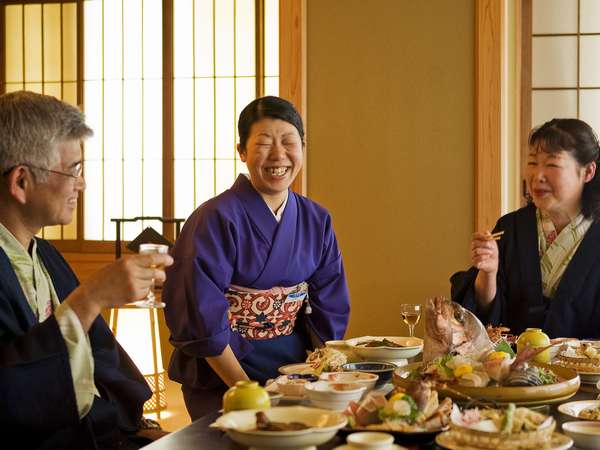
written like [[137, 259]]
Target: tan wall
[[390, 146]]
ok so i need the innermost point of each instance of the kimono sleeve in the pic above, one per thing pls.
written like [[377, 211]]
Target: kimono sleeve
[[197, 309], [35, 377], [328, 291]]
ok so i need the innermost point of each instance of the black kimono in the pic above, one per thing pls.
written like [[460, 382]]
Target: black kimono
[[519, 303], [37, 400]]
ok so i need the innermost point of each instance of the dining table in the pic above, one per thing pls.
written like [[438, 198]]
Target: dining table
[[199, 436]]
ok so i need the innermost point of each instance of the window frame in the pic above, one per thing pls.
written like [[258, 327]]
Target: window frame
[[292, 85]]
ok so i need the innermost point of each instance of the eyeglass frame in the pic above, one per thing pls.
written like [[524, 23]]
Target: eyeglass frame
[[78, 168]]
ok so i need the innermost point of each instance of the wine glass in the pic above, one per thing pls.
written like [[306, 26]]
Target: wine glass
[[150, 301], [410, 315]]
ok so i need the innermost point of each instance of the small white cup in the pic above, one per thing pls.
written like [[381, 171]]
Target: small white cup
[[373, 440]]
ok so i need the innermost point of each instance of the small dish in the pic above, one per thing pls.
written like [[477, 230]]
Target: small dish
[[353, 447], [383, 370], [372, 440], [335, 396], [287, 399], [363, 378], [585, 434], [275, 397], [293, 384]]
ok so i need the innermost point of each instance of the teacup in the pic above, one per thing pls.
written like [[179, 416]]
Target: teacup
[[372, 440]]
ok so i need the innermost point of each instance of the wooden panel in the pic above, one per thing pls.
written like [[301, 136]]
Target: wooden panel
[[292, 66], [488, 67], [525, 116]]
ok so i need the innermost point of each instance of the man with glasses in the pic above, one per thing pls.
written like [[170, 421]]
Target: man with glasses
[[64, 380]]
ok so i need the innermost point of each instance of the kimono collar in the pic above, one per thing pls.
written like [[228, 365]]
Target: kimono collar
[[256, 207], [279, 213]]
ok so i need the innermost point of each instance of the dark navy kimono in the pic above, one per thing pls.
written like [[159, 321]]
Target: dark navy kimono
[[519, 303], [37, 400], [234, 239]]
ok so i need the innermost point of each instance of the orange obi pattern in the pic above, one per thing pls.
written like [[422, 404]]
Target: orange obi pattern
[[266, 314]]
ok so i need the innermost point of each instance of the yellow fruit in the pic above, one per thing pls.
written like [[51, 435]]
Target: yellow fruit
[[497, 355], [397, 396], [463, 369]]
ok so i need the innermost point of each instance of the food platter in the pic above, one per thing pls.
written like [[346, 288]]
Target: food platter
[[521, 395], [447, 440], [573, 409]]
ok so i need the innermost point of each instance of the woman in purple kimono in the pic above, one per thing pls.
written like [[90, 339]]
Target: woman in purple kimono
[[258, 277]]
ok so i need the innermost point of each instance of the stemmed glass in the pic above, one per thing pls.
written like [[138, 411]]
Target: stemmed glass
[[410, 315], [150, 301]]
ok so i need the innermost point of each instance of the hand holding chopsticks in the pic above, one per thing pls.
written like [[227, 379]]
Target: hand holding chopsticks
[[484, 251], [495, 236]]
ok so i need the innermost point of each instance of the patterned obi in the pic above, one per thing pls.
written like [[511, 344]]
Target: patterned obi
[[267, 314]]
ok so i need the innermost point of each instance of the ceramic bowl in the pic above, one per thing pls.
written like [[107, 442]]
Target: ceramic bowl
[[371, 440], [383, 370], [275, 397], [362, 378], [241, 427], [585, 434], [293, 384], [410, 346], [335, 396]]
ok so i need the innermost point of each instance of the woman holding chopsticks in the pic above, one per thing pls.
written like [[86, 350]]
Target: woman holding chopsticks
[[541, 267]]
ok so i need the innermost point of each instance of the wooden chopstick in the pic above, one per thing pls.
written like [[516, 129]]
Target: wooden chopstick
[[495, 236]]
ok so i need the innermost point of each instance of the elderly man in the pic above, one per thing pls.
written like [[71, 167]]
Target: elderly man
[[64, 380]]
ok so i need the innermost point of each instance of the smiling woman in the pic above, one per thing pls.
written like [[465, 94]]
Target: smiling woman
[[544, 271], [246, 264]]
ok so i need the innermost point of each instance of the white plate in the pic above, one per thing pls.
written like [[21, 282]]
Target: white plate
[[573, 409], [296, 368], [446, 440], [411, 346], [239, 426]]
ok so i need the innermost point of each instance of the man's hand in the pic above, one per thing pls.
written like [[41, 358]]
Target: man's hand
[[124, 281]]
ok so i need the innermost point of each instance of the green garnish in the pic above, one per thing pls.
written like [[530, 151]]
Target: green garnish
[[508, 418], [505, 347]]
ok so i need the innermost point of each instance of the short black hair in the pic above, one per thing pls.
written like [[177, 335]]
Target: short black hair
[[270, 106], [578, 138]]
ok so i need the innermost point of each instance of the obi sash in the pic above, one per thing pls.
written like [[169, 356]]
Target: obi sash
[[265, 314]]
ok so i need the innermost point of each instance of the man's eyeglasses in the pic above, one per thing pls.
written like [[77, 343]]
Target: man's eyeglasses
[[75, 171]]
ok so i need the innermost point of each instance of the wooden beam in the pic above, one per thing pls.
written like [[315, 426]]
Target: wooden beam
[[292, 66], [524, 40], [488, 73], [168, 174]]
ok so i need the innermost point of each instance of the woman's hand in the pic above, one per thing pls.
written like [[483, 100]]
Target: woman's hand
[[484, 253]]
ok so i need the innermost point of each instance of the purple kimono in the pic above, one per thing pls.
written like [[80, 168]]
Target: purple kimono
[[234, 239]]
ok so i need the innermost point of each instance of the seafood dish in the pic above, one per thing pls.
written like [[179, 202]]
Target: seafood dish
[[508, 428], [415, 409], [459, 351]]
